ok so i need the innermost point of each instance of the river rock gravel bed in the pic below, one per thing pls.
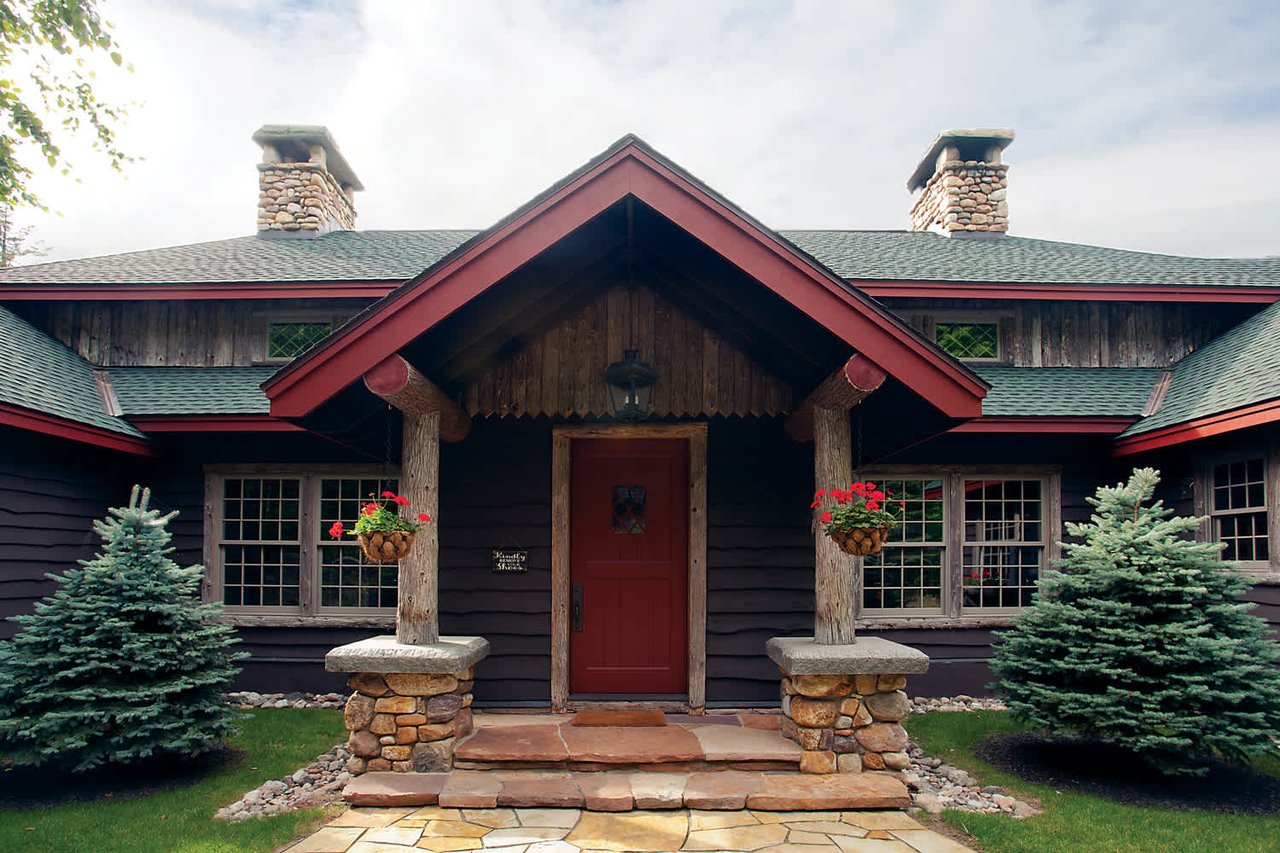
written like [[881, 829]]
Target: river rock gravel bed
[[318, 784], [248, 699]]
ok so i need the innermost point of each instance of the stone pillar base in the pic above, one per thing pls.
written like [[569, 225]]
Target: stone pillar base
[[845, 704], [411, 703]]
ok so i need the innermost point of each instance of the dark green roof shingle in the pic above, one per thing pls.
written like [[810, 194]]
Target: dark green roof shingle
[[1238, 368], [396, 256], [41, 374], [1067, 391], [191, 390]]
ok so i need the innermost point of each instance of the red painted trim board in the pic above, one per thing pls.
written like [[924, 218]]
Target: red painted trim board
[[62, 428], [1243, 418]]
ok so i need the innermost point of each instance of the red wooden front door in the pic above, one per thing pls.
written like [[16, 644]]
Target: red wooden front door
[[629, 557]]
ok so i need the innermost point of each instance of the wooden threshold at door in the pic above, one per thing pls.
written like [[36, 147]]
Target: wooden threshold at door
[[670, 705]]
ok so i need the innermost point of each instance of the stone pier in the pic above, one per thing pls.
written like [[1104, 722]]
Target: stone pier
[[844, 704]]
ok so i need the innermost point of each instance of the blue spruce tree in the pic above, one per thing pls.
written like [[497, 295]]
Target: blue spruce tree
[[1139, 640], [122, 662]]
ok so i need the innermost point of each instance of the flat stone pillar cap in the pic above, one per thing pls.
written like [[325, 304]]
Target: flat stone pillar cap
[[864, 656], [448, 656]]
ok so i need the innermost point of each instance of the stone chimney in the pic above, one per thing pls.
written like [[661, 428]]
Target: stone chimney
[[305, 187], [962, 185]]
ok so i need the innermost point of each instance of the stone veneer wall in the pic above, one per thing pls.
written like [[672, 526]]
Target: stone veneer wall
[[847, 723], [302, 197], [963, 195], [406, 721]]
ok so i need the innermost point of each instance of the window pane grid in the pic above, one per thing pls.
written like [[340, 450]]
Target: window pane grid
[[969, 340], [346, 578], [1003, 542], [261, 549], [290, 340], [1240, 510], [908, 573]]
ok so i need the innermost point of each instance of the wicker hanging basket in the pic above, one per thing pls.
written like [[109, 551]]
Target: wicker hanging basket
[[860, 541], [385, 547]]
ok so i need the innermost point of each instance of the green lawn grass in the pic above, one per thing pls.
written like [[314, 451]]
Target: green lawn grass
[[274, 743], [1074, 822]]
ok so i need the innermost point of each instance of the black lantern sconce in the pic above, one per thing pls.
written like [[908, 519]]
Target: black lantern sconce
[[630, 386]]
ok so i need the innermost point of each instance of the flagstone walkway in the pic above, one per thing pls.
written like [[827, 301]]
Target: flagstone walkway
[[387, 830]]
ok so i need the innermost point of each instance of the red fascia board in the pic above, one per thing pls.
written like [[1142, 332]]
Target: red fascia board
[[309, 381], [1070, 292], [1062, 425], [62, 428], [1243, 418], [212, 423], [234, 290]]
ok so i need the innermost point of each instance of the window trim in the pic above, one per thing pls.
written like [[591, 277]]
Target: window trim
[[266, 319], [1203, 504], [309, 610], [927, 323], [953, 609]]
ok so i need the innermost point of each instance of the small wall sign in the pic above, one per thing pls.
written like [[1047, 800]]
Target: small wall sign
[[505, 560]]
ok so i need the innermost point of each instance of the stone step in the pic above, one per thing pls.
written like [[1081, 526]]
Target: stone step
[[671, 748], [626, 791]]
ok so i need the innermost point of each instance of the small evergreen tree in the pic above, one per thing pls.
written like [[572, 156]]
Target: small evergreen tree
[[122, 661], [1139, 640]]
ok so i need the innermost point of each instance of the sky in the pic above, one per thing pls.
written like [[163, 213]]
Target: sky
[[1149, 126]]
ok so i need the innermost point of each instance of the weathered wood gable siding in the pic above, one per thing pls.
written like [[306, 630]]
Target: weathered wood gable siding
[[561, 370], [51, 492], [175, 333], [1087, 334]]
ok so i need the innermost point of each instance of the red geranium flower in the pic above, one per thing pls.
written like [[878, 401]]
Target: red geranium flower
[[422, 516], [336, 530], [873, 505], [402, 501], [369, 509], [388, 494], [821, 493], [826, 518]]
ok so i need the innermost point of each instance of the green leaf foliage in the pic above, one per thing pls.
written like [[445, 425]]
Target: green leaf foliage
[[122, 662], [57, 96], [1139, 639]]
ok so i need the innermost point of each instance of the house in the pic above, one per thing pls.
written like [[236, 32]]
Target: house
[[265, 385]]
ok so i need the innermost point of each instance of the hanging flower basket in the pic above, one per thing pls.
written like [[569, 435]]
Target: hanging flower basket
[[385, 547], [858, 519], [861, 541], [384, 535]]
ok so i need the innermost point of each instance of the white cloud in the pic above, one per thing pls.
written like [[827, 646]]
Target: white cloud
[[1149, 126]]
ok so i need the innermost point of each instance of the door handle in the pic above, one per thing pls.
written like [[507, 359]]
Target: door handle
[[576, 613]]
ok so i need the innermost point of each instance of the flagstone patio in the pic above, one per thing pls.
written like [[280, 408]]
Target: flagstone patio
[[505, 830]]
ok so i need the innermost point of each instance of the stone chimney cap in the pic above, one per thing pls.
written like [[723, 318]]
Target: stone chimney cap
[[308, 135], [980, 138]]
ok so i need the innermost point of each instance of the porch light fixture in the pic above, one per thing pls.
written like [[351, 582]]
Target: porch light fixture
[[630, 386]]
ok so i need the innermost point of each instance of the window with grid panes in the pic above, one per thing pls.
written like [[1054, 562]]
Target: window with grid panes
[[347, 579], [264, 552], [1238, 509], [978, 341], [260, 542], [288, 340], [1004, 541], [908, 573]]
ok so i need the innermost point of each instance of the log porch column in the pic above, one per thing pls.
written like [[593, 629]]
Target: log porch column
[[824, 417], [429, 417]]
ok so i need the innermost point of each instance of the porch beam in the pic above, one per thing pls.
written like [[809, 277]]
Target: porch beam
[[417, 608], [840, 391], [837, 576], [400, 384]]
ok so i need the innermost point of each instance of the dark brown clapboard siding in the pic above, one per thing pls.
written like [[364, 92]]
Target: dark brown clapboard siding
[[51, 492], [1088, 334], [559, 371]]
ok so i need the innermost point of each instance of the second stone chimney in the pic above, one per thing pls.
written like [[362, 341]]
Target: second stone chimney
[[962, 184], [305, 187]]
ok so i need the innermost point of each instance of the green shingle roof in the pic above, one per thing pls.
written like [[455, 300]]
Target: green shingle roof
[[191, 390], [1067, 391], [396, 256], [1239, 368], [41, 374]]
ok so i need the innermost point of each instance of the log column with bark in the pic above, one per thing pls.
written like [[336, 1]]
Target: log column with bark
[[429, 417], [842, 698]]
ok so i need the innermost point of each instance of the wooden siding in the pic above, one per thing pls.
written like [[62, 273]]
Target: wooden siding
[[174, 333], [561, 370], [51, 492], [1085, 334]]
